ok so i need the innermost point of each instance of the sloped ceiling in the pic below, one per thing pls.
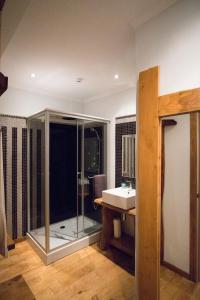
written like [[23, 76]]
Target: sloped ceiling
[[60, 41]]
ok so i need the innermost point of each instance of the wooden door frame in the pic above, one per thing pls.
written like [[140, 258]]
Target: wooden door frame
[[165, 123], [150, 109], [193, 195]]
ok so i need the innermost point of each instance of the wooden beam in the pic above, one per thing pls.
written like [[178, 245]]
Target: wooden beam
[[193, 195], [198, 196], [150, 108], [148, 187], [179, 103]]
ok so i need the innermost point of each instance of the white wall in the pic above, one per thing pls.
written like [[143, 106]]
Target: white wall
[[176, 200], [111, 107], [23, 103], [172, 41]]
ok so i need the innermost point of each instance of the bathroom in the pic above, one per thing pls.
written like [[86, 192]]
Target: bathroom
[[66, 118]]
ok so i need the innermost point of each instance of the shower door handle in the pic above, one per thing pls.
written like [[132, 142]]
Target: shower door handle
[[79, 176]]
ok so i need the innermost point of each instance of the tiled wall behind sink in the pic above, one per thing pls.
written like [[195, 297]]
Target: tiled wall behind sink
[[124, 126]]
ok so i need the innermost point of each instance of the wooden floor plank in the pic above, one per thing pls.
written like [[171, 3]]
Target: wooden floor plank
[[85, 275]]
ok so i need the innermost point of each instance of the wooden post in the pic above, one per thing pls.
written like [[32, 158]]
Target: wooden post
[[150, 108], [148, 187]]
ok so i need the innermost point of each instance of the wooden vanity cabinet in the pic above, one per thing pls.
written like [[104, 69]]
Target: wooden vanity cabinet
[[125, 243]]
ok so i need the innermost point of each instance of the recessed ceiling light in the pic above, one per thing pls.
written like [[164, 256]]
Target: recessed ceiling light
[[33, 75], [79, 80], [116, 76]]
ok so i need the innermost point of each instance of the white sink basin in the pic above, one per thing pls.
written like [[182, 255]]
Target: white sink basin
[[120, 197]]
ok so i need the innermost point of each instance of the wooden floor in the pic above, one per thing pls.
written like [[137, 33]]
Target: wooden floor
[[87, 274]]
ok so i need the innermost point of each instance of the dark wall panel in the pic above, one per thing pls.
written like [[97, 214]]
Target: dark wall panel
[[39, 170], [4, 142], [121, 129], [14, 181], [24, 181], [14, 141]]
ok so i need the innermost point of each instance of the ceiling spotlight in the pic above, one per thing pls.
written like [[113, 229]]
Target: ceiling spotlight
[[79, 79], [33, 75], [116, 76]]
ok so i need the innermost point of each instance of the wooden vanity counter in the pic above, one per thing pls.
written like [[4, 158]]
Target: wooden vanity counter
[[125, 243]]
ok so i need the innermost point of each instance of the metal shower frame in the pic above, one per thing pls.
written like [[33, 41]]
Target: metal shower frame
[[47, 113]]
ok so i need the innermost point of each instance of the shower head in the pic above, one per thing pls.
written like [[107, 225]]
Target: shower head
[[95, 131], [92, 129]]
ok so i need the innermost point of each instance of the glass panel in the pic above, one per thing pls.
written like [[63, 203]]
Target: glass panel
[[93, 163], [63, 163], [80, 178], [36, 194]]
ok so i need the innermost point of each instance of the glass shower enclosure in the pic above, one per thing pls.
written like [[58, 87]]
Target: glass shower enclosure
[[65, 152]]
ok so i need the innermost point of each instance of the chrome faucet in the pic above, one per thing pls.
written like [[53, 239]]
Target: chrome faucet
[[129, 184]]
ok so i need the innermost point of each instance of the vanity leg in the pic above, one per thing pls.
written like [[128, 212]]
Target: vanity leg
[[107, 227]]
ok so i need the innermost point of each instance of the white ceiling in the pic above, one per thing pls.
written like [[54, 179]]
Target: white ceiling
[[62, 40]]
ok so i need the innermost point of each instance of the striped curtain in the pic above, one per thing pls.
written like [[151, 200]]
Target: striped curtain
[[3, 230], [14, 140]]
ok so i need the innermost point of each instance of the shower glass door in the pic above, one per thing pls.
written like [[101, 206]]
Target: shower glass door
[[63, 178], [80, 179], [91, 161]]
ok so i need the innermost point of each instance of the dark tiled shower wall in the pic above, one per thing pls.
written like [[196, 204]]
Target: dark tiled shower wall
[[39, 179], [24, 181], [14, 138], [4, 144], [14, 182], [121, 129], [36, 162]]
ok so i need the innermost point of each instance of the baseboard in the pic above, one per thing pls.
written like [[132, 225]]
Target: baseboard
[[11, 243], [19, 240], [176, 270]]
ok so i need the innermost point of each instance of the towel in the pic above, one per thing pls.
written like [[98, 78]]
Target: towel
[[3, 231], [99, 185]]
